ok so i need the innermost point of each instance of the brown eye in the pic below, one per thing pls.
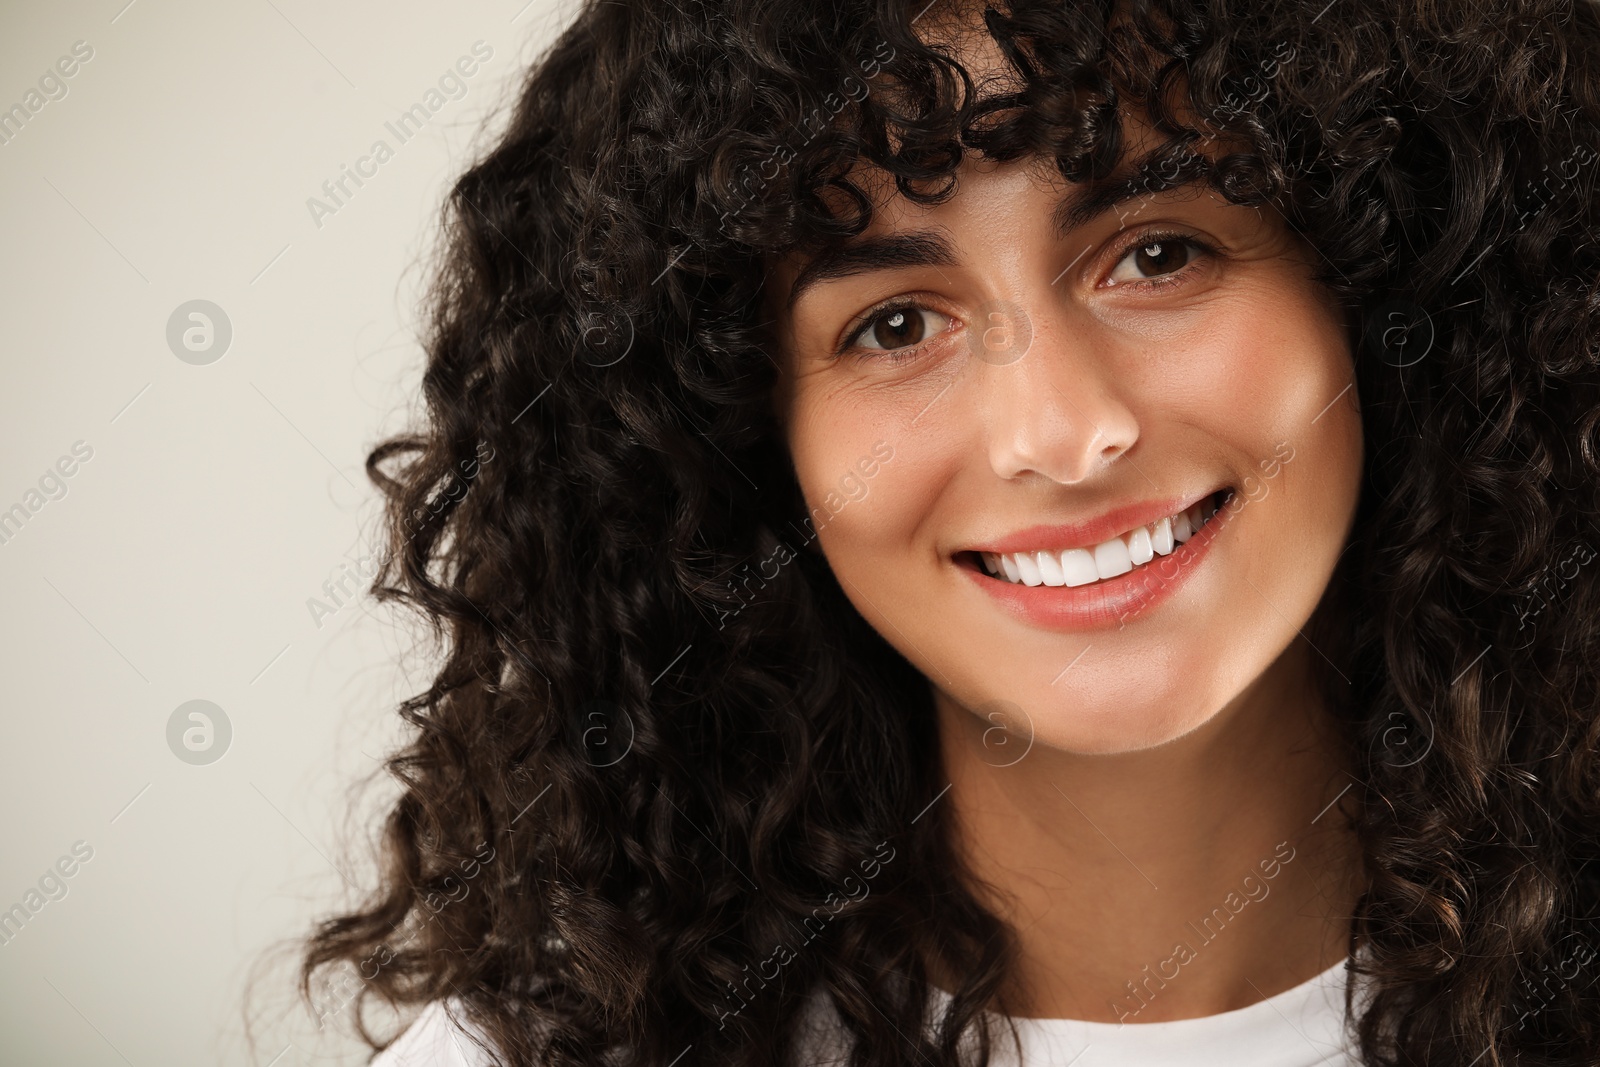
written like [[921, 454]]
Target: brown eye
[[1156, 256], [1161, 257], [898, 327]]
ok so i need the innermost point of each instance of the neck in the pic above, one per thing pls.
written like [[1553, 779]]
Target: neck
[[1192, 878]]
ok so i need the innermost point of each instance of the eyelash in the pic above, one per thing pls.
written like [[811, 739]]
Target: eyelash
[[891, 355], [1153, 237], [896, 356]]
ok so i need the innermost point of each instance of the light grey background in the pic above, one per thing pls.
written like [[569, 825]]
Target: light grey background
[[176, 563]]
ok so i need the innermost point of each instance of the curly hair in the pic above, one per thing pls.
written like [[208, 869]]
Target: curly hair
[[663, 746]]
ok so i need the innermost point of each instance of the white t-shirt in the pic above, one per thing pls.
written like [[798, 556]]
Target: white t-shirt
[[1299, 1027]]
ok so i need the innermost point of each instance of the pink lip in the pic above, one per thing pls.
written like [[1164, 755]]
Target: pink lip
[[1109, 602], [1089, 532]]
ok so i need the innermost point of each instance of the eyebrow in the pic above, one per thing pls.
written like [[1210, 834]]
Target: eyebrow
[[928, 248]]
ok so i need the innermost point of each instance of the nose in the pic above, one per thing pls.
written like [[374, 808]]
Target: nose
[[1053, 407]]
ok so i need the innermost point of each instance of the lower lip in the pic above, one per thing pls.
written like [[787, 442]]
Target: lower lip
[[1110, 602]]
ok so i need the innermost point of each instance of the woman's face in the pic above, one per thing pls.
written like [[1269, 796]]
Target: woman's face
[[1046, 401]]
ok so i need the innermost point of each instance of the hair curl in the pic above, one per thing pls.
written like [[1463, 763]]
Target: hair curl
[[644, 774]]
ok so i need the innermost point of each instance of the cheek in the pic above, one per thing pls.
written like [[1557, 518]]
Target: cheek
[[1286, 406], [840, 462], [1272, 379], [872, 477]]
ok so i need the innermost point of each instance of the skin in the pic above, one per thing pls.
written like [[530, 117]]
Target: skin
[[1134, 776]]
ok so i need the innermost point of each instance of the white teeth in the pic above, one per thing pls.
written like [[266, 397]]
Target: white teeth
[[1139, 548], [1009, 565], [1181, 530], [1050, 568], [1161, 540], [1078, 566], [1029, 568], [1110, 558]]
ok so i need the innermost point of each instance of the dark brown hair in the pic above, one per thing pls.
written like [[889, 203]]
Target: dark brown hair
[[668, 781]]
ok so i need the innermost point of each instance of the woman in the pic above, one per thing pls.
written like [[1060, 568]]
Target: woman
[[1043, 535]]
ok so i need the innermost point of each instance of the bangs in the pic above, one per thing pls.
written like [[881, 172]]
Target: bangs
[[909, 95]]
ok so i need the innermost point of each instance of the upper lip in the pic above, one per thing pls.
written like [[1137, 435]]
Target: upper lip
[[1087, 533]]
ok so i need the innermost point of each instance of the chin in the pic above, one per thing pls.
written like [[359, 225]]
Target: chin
[[1115, 732]]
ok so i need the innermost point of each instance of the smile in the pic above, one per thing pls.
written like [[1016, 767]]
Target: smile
[[1095, 582], [1111, 558]]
